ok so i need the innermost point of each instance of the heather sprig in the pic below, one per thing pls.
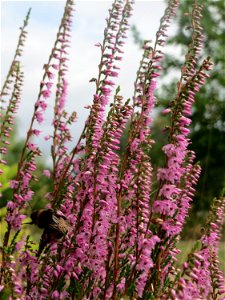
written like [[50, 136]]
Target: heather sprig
[[61, 119], [10, 77], [10, 113], [111, 50], [171, 202], [195, 47], [22, 192], [47, 80], [11, 92], [99, 215], [201, 276], [135, 178]]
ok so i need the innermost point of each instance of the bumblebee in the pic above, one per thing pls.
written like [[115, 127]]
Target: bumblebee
[[55, 226]]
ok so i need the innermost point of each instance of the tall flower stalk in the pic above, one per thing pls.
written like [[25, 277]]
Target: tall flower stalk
[[11, 92], [22, 192], [172, 198], [200, 276]]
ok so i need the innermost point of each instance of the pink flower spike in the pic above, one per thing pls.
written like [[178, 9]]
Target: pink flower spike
[[13, 184], [56, 67], [46, 93], [39, 117], [36, 132]]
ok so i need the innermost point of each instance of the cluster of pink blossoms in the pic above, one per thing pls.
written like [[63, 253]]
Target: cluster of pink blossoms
[[22, 192], [111, 53], [178, 178], [27, 164], [121, 240], [201, 277]]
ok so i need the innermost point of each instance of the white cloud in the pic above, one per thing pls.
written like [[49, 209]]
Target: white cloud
[[89, 22]]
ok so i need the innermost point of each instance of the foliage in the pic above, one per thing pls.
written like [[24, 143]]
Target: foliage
[[107, 234], [8, 174]]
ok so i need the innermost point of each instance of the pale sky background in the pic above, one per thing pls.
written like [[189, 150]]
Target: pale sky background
[[88, 26]]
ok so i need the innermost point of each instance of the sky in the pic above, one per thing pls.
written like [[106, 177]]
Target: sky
[[88, 27]]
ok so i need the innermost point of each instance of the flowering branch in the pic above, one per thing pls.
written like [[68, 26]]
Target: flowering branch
[[19, 50], [106, 235], [27, 164], [114, 35], [201, 276]]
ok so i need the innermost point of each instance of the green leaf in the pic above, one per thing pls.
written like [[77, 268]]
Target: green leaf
[[9, 172]]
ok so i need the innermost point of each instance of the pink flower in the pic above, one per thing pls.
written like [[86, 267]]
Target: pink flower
[[164, 207], [39, 117], [114, 74], [96, 292], [55, 295], [47, 137], [184, 121], [171, 227], [15, 219], [36, 132], [49, 85], [140, 283], [168, 190], [46, 93], [2, 161], [145, 263], [56, 67], [13, 184], [47, 173], [28, 196], [121, 285], [50, 75], [169, 149], [31, 146], [42, 104], [166, 111], [109, 82], [11, 205], [26, 179]]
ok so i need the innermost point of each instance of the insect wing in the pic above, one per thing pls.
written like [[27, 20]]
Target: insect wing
[[59, 224]]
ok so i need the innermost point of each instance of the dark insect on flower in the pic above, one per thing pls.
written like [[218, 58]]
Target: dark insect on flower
[[55, 226]]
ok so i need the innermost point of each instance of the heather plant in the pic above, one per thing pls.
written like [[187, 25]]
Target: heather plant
[[119, 236]]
